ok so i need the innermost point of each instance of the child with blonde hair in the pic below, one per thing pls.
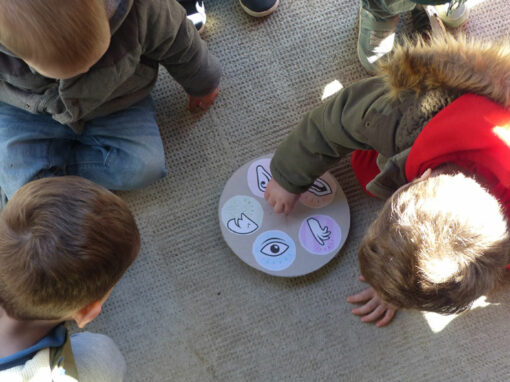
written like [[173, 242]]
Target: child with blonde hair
[[430, 135]]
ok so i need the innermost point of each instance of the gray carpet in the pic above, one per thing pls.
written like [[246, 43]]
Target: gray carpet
[[190, 310]]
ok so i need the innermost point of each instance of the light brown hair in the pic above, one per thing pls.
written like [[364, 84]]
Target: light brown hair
[[437, 245], [53, 33], [64, 243]]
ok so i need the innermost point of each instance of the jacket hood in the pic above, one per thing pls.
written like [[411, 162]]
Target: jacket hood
[[116, 10], [448, 62]]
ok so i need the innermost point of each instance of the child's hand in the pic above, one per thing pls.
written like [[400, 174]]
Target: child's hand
[[203, 102], [279, 198], [374, 308]]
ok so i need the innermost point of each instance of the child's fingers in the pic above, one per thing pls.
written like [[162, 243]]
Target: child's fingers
[[288, 209], [278, 208], [376, 313], [366, 308], [363, 296], [388, 317], [362, 278]]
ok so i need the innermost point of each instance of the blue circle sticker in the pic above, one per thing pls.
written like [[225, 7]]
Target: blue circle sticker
[[274, 250]]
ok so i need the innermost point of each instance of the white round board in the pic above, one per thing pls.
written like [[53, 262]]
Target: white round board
[[277, 244]]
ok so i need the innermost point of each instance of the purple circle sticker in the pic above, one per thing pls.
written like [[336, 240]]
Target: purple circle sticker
[[259, 176], [320, 234]]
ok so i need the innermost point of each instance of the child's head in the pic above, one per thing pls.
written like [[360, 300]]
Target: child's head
[[64, 244], [59, 39], [437, 245]]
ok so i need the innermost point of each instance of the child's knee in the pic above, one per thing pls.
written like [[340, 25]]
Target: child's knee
[[149, 170], [97, 358], [127, 172]]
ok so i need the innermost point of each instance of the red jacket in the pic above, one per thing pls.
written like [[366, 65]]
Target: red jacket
[[472, 132]]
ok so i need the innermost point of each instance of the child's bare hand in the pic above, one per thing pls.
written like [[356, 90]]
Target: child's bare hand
[[203, 102], [373, 307], [279, 198]]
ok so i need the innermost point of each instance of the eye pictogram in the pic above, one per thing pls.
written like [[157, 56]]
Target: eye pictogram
[[273, 247], [274, 250]]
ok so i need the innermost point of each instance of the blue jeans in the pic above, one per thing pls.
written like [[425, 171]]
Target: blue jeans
[[122, 151]]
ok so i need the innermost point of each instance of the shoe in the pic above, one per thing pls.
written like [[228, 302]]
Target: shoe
[[259, 8], [375, 39], [195, 11], [457, 17]]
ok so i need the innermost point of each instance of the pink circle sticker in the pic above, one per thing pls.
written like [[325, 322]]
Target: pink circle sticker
[[320, 234], [259, 176], [321, 193]]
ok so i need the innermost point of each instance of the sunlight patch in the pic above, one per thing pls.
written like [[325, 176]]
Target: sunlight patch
[[437, 322], [331, 88], [503, 133], [382, 48]]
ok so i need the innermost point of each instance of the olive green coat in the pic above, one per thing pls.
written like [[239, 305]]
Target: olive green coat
[[386, 113]]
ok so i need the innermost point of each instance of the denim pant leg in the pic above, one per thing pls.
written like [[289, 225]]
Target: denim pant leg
[[31, 146], [122, 151], [384, 9], [97, 358]]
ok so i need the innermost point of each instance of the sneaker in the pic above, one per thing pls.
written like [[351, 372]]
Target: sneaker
[[195, 11], [456, 18], [259, 8], [375, 39]]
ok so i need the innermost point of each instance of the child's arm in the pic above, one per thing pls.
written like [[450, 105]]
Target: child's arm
[[171, 39], [330, 131], [373, 308]]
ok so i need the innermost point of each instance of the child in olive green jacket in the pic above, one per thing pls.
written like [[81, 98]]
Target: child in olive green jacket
[[429, 135]]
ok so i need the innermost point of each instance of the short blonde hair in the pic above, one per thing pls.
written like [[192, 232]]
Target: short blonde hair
[[437, 245], [56, 33]]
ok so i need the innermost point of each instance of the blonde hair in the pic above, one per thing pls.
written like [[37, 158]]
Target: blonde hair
[[64, 243], [60, 34], [437, 245]]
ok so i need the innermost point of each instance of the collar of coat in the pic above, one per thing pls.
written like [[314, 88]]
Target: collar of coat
[[448, 62]]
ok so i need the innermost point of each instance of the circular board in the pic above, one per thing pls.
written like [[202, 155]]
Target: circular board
[[277, 244]]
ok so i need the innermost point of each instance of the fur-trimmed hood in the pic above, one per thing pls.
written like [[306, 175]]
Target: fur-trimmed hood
[[449, 62]]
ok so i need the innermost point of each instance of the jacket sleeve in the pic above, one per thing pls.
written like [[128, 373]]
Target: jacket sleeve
[[172, 40], [361, 116]]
